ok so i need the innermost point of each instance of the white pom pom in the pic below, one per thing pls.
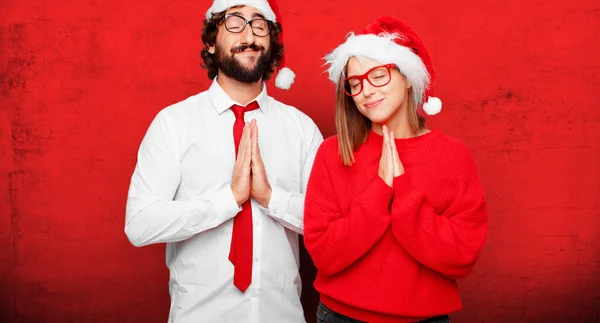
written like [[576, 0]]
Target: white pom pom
[[285, 78], [432, 106]]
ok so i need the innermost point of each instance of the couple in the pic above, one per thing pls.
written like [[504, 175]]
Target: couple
[[392, 212]]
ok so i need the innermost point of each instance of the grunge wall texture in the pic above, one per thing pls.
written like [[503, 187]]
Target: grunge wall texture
[[81, 81]]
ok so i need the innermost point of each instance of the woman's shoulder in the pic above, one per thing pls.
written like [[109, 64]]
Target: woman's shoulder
[[328, 152], [450, 141], [452, 148], [330, 144]]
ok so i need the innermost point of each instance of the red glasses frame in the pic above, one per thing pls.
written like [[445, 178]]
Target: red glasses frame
[[364, 76]]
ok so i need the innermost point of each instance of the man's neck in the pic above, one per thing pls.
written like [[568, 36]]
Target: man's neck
[[240, 92]]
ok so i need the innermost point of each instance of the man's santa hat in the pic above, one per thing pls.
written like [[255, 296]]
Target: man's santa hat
[[390, 41], [270, 9]]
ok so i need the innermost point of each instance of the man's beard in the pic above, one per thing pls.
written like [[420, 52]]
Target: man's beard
[[232, 67]]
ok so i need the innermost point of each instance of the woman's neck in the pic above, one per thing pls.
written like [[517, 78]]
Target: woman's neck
[[399, 125], [400, 130]]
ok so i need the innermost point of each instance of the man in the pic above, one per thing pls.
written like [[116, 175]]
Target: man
[[221, 178]]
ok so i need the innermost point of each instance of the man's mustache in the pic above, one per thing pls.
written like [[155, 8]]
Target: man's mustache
[[244, 47]]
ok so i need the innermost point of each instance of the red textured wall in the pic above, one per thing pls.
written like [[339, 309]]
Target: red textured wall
[[81, 80]]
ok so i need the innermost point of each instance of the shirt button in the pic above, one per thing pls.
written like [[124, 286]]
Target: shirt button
[[256, 222], [256, 259], [255, 292]]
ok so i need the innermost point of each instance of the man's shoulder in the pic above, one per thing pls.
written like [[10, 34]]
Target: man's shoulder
[[290, 112], [185, 106], [178, 113]]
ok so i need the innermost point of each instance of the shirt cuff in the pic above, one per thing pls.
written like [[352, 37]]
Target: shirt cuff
[[278, 202], [278, 205], [225, 203]]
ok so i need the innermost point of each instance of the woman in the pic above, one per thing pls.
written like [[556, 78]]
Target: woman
[[394, 212]]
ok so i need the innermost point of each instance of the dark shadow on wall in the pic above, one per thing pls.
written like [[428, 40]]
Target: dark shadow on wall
[[310, 297]]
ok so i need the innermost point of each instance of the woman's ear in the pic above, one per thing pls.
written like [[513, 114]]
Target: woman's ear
[[408, 85]]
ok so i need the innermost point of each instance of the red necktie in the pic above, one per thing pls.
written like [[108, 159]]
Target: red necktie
[[240, 253]]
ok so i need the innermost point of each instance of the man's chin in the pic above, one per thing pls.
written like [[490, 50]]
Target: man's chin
[[244, 69]]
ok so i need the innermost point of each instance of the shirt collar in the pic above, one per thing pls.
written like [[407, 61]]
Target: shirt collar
[[221, 101]]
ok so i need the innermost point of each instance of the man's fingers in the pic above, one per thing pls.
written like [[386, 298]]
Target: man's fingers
[[248, 140], [257, 152], [254, 132], [245, 147]]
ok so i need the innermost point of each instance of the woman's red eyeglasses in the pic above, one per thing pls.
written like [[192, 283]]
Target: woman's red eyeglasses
[[378, 76]]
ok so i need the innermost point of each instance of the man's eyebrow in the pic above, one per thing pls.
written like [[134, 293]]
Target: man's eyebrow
[[236, 13], [254, 15]]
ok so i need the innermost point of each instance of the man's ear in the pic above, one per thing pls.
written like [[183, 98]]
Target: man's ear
[[211, 49]]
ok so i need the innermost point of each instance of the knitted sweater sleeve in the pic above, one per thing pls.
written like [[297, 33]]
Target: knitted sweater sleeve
[[336, 238], [447, 241]]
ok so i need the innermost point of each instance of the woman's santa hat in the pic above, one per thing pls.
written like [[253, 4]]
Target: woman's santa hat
[[390, 41], [270, 9]]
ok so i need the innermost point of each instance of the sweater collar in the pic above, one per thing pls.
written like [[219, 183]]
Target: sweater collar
[[404, 143]]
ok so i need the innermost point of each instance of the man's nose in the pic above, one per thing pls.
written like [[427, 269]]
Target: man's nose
[[247, 36]]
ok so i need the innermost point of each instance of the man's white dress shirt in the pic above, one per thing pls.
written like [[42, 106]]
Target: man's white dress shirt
[[180, 194]]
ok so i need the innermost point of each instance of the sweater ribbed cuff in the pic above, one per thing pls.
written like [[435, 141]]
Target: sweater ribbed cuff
[[378, 195], [402, 184]]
